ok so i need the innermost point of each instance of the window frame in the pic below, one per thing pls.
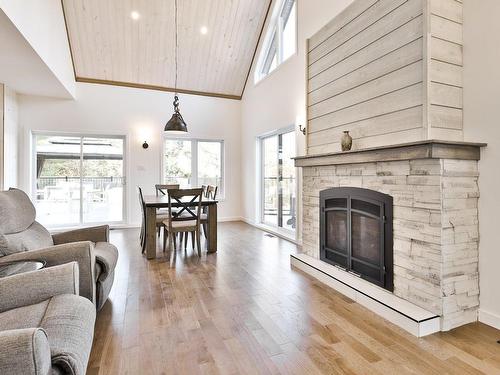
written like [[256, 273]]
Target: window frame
[[194, 160], [273, 42], [33, 178], [260, 164]]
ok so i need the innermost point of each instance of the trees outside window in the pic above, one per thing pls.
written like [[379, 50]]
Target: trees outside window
[[193, 162]]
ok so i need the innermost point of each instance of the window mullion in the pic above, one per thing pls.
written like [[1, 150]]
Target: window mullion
[[81, 180], [279, 39], [194, 163]]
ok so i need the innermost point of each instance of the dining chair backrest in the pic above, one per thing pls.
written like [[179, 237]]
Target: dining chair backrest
[[204, 188], [163, 188], [141, 199], [211, 192], [188, 204]]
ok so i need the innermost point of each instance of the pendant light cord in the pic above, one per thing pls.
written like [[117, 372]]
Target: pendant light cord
[[176, 46]]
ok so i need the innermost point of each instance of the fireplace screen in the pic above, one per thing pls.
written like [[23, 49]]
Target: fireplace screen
[[356, 233]]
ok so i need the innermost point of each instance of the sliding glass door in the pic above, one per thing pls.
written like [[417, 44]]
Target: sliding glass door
[[78, 180], [278, 198]]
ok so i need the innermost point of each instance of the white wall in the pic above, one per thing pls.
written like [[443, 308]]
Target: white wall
[[278, 100], [11, 138], [481, 123], [47, 38], [137, 114]]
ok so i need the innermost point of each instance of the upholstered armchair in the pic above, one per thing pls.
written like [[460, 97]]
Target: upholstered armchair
[[21, 238], [45, 326]]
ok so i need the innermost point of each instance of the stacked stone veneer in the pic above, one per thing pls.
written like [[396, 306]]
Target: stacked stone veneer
[[435, 227]]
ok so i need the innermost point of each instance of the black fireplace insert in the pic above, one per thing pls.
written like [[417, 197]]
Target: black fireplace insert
[[356, 233]]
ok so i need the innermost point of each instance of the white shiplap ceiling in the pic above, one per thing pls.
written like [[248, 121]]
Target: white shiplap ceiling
[[109, 46]]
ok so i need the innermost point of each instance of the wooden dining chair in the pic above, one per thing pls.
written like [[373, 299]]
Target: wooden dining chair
[[161, 189], [188, 218], [142, 236], [211, 193]]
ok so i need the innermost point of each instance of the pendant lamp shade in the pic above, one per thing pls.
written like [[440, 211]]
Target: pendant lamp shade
[[176, 122]]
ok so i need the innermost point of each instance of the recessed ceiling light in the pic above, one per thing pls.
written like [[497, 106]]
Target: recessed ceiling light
[[135, 15], [203, 30]]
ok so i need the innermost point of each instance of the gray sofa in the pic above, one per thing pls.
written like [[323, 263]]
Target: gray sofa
[[45, 326], [21, 237]]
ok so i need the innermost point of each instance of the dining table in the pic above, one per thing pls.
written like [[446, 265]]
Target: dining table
[[153, 203]]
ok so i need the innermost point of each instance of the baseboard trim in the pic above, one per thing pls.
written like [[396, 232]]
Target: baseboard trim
[[270, 230], [489, 318], [229, 218]]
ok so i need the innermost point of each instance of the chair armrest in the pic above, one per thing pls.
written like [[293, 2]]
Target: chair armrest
[[93, 234], [25, 351], [33, 287], [80, 252]]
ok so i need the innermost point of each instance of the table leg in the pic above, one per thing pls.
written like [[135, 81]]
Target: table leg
[[212, 228], [150, 232]]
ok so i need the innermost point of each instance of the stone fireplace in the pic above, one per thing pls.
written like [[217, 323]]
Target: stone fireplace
[[356, 233], [432, 189]]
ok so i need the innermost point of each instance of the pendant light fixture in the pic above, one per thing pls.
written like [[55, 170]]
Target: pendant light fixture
[[176, 123]]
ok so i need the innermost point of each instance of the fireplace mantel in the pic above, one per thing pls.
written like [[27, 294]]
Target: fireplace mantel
[[429, 149]]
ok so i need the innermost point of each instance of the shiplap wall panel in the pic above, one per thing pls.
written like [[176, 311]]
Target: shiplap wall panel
[[391, 21], [406, 76], [390, 62], [446, 73], [345, 17], [391, 42], [445, 29], [445, 117], [364, 21], [445, 101], [374, 141], [445, 95], [449, 9], [445, 51], [395, 101], [372, 73], [406, 119]]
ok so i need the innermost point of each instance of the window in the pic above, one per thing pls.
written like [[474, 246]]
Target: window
[[278, 198], [193, 162], [78, 179], [281, 40]]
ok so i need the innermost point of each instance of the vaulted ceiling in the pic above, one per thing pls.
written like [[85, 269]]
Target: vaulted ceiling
[[131, 43]]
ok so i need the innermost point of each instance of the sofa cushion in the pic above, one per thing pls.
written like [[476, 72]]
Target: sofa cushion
[[17, 212], [23, 317], [106, 255], [69, 324], [33, 238]]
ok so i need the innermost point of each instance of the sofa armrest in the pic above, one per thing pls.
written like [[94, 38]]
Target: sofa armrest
[[33, 287], [25, 351], [80, 252], [93, 234]]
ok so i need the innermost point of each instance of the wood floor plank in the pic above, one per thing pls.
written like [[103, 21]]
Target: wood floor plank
[[243, 310]]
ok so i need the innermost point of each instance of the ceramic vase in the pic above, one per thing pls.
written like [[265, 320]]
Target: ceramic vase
[[346, 141]]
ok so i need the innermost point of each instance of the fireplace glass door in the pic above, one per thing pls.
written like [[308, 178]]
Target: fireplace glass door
[[356, 233]]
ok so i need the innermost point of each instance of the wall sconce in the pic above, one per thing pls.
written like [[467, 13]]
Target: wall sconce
[[302, 129], [145, 145]]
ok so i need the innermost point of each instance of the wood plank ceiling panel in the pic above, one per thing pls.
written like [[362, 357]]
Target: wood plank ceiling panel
[[108, 46]]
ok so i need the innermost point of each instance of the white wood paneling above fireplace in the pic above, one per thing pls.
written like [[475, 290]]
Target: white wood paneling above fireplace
[[390, 71]]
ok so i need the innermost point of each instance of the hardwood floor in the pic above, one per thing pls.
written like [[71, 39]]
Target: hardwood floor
[[244, 311]]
